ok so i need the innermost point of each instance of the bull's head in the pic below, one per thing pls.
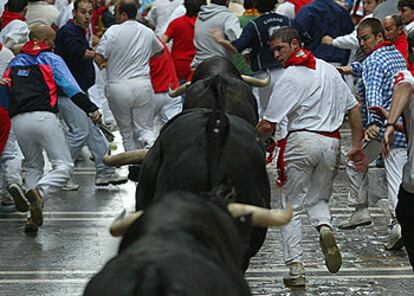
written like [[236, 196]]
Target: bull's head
[[261, 217], [248, 79]]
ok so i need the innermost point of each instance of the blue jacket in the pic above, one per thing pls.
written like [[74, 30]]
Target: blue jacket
[[71, 45], [324, 17], [35, 75], [4, 97], [256, 36]]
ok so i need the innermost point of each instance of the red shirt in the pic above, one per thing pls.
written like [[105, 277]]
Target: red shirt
[[181, 31], [401, 44], [298, 4], [162, 72], [95, 17], [4, 128]]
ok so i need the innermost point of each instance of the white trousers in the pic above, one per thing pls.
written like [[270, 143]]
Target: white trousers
[[358, 181], [35, 132], [311, 162], [10, 163], [97, 95], [132, 103], [263, 94], [166, 107]]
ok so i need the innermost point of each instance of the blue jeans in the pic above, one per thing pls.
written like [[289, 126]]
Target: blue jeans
[[82, 131]]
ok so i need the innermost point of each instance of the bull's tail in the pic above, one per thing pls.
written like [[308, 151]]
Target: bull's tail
[[217, 130]]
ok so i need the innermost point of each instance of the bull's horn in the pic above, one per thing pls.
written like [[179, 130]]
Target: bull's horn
[[257, 82], [261, 216], [179, 91], [121, 223], [130, 157]]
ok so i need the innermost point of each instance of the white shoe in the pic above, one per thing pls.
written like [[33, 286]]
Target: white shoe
[[296, 276], [358, 218], [333, 258], [394, 239], [106, 179], [70, 186]]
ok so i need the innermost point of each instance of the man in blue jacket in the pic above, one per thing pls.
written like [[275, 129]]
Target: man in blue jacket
[[324, 17], [74, 48], [255, 36], [33, 78]]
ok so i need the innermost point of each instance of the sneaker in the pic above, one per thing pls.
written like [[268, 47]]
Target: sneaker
[[70, 186], [333, 258], [106, 179], [358, 218], [17, 193], [296, 275], [30, 226], [36, 206], [394, 239], [6, 200]]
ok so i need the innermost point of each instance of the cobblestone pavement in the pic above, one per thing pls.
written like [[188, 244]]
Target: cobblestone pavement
[[74, 243]]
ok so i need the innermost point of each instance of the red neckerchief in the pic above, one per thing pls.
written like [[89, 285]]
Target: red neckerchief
[[8, 17], [382, 44], [301, 57], [34, 47]]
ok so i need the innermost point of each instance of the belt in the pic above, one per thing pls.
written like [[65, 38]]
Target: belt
[[281, 170]]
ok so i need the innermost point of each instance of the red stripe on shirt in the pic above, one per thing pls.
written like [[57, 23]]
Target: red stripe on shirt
[[50, 82]]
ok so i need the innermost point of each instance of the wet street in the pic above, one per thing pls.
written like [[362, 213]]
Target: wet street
[[74, 243]]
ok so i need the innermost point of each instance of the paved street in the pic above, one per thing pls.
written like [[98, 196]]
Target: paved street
[[74, 243]]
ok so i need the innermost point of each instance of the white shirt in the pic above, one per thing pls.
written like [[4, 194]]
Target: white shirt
[[409, 28], [128, 48], [315, 100], [6, 55], [408, 171], [41, 13], [179, 11], [65, 13], [160, 13], [286, 9], [16, 32]]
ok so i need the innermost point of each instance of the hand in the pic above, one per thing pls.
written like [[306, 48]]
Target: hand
[[4, 81], [344, 70], [371, 132], [328, 40], [217, 35], [96, 117], [357, 156], [387, 141], [380, 111]]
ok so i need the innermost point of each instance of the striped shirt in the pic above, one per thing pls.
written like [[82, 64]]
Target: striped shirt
[[375, 87]]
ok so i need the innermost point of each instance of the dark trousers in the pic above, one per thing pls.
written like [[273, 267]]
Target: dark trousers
[[405, 216]]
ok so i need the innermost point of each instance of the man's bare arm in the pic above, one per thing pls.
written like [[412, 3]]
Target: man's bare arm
[[100, 60], [356, 154], [400, 99]]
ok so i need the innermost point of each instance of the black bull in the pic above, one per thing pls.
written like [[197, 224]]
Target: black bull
[[182, 159], [184, 245], [237, 96]]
